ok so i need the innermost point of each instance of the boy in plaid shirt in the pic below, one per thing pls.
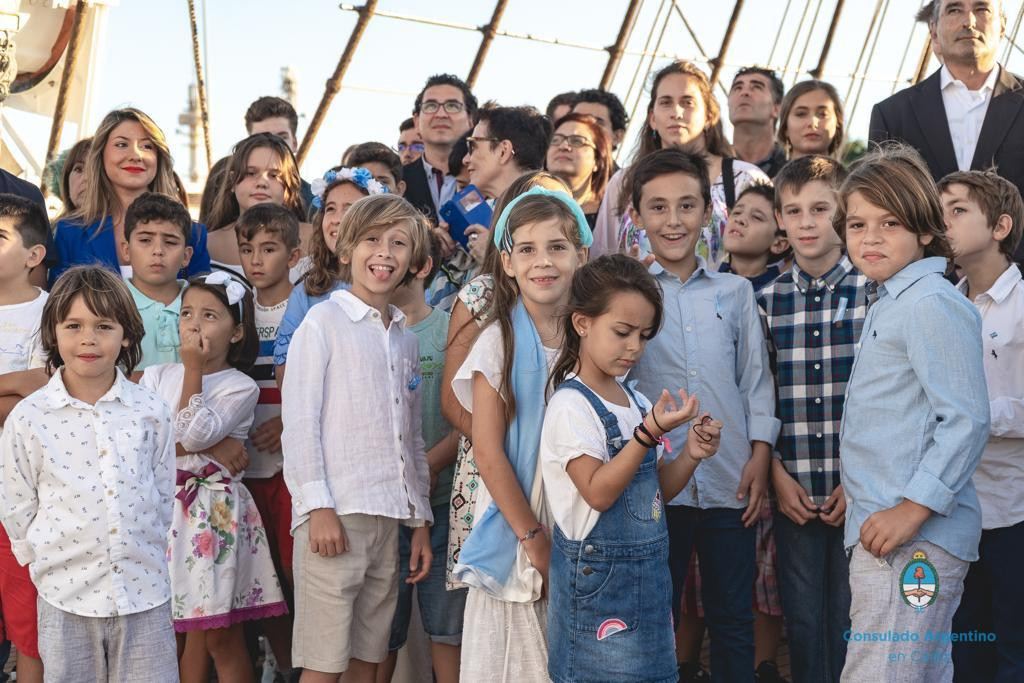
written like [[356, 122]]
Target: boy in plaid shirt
[[813, 316]]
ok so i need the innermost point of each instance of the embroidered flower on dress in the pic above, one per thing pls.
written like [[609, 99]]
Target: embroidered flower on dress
[[220, 515], [204, 544]]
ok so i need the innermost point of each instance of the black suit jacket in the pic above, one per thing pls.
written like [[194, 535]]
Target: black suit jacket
[[417, 192], [917, 117]]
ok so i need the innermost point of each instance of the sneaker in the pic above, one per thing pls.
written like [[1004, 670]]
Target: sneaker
[[768, 672], [693, 672]]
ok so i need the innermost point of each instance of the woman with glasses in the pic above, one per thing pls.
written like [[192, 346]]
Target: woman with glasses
[[580, 154]]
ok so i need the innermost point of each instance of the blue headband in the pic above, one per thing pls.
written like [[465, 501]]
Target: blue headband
[[503, 238]]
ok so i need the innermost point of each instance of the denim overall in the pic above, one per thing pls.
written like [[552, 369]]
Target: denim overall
[[610, 595]]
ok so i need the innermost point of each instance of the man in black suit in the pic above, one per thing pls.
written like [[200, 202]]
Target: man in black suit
[[444, 111], [968, 114]]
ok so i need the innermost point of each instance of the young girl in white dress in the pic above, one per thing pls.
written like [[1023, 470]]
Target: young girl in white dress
[[220, 565]]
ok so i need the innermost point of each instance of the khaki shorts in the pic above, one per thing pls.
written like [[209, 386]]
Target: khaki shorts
[[344, 604]]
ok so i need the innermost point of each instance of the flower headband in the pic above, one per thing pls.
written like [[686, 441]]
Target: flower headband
[[360, 176], [503, 238], [234, 289]]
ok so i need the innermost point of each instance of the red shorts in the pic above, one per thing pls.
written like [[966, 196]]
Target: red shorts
[[17, 602], [275, 505]]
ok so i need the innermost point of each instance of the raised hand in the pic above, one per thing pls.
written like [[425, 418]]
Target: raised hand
[[667, 414]]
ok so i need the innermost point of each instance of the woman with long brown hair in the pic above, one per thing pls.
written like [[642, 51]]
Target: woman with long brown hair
[[580, 153], [128, 156]]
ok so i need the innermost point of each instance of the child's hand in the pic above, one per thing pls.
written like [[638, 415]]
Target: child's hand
[[666, 415], [887, 530], [447, 243], [634, 253], [754, 482], [231, 454], [833, 512], [478, 237], [267, 437], [326, 534], [538, 551], [706, 443], [420, 555], [793, 499], [194, 349]]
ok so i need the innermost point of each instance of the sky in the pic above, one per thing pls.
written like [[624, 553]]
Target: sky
[[147, 59]]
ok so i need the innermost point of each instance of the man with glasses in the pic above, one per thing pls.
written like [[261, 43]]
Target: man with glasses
[[444, 111], [410, 146], [754, 101]]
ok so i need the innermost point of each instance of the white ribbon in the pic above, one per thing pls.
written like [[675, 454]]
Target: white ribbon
[[235, 289]]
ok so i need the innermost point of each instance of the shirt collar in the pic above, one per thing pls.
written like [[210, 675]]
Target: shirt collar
[[57, 395], [946, 78], [357, 309], [657, 270], [142, 302], [1001, 288], [913, 272], [831, 279]]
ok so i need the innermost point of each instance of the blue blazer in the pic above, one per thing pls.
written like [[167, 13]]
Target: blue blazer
[[81, 246]]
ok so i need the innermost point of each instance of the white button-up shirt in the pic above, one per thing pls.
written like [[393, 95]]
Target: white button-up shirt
[[87, 497], [999, 478], [965, 113], [351, 409]]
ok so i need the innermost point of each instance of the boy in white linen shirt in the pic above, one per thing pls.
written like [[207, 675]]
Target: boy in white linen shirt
[[354, 456]]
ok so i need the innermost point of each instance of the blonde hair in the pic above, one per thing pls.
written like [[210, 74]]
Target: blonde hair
[[379, 211], [100, 198]]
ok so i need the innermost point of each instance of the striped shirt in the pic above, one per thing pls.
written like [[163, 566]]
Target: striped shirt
[[812, 326], [261, 463]]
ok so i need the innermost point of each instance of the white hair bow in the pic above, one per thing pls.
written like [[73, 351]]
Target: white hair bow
[[235, 289]]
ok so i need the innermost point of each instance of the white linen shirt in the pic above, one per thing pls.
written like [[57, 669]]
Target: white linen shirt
[[965, 112], [351, 410], [999, 478], [87, 497]]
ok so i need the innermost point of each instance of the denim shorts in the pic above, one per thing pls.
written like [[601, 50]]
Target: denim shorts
[[441, 610]]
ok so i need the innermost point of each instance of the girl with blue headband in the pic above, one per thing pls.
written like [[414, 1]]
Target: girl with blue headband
[[543, 237]]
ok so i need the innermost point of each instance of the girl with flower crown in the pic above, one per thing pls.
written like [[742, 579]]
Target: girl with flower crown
[[339, 189], [261, 169], [220, 565]]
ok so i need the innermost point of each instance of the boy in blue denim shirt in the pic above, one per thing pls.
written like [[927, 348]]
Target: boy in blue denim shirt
[[914, 426], [711, 345]]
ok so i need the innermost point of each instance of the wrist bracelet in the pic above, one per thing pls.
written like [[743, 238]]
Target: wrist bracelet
[[637, 435], [529, 535], [656, 424], [646, 432]]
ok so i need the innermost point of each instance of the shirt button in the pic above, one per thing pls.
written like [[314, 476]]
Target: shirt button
[[588, 549], [587, 571], [400, 437], [693, 373], [396, 401], [821, 469], [817, 400], [114, 530], [110, 492], [818, 435], [817, 366], [103, 451], [817, 298], [817, 333], [689, 328]]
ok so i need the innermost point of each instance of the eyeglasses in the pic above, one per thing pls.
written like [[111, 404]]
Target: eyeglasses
[[471, 142], [450, 107], [412, 146], [575, 141]]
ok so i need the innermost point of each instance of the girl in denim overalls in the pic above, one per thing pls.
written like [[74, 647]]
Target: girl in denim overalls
[[609, 615]]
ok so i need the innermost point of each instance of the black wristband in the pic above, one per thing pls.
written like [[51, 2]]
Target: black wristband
[[643, 428], [656, 424], [636, 435]]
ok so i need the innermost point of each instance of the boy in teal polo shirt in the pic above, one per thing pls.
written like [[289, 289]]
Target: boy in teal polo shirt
[[156, 230]]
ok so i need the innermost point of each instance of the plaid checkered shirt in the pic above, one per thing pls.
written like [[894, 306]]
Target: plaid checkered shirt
[[812, 326]]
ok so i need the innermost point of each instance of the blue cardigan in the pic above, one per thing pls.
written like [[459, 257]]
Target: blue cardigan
[[78, 246]]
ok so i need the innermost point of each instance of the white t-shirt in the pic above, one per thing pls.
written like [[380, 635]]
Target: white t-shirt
[[571, 429], [263, 465], [20, 348], [486, 357]]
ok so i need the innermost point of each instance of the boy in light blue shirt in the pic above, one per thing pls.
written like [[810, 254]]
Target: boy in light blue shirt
[[156, 232], [712, 345], [915, 423]]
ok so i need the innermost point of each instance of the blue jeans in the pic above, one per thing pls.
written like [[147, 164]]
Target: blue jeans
[[726, 551], [440, 609], [814, 585], [993, 602]]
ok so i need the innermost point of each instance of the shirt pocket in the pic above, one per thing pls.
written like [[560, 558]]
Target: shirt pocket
[[719, 326], [135, 442]]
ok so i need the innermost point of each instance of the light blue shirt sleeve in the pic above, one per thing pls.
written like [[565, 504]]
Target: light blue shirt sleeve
[[753, 373], [298, 307], [945, 352]]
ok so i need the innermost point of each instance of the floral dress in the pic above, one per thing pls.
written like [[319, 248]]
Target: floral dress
[[220, 564], [476, 295]]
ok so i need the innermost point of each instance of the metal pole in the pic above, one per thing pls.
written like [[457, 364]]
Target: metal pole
[[615, 51], [334, 83], [924, 61], [820, 69], [863, 50], [204, 114], [696, 41], [489, 31], [718, 61], [70, 60]]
